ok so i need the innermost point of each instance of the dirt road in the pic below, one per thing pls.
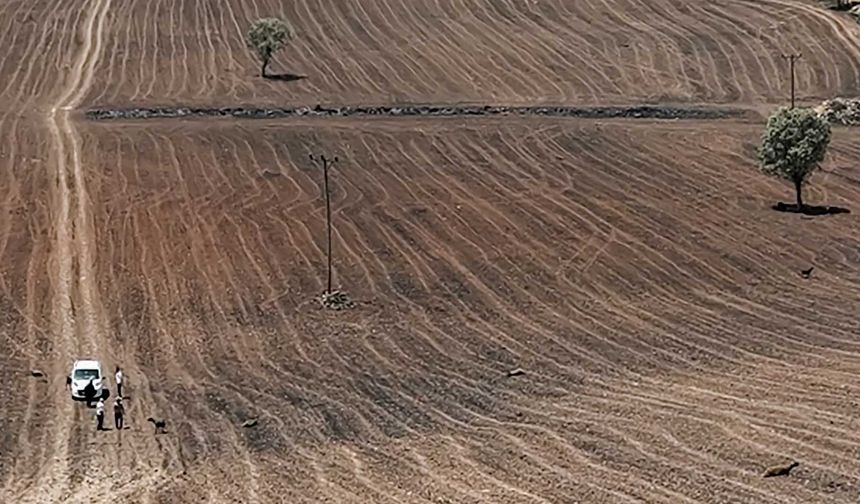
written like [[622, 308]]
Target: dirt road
[[74, 464]]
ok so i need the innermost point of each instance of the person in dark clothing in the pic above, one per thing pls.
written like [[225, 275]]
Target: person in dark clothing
[[118, 412], [90, 392], [69, 382]]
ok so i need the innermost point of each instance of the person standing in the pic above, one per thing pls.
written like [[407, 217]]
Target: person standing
[[100, 414], [118, 381], [118, 412], [90, 393]]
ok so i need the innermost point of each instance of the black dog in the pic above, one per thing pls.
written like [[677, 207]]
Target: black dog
[[160, 425]]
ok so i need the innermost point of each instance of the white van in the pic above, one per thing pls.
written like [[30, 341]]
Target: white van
[[82, 372]]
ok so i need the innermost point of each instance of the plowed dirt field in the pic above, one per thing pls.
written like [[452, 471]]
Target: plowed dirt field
[[633, 270]]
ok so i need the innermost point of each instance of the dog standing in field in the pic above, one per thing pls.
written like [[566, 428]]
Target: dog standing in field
[[780, 470], [160, 425]]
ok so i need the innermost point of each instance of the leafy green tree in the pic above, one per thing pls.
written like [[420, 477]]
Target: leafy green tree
[[268, 36], [793, 144]]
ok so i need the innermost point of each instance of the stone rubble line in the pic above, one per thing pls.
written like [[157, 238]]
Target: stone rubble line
[[637, 112]]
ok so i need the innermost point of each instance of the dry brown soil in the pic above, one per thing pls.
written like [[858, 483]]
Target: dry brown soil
[[632, 269]]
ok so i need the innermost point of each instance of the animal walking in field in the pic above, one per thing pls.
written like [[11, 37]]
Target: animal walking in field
[[780, 470], [118, 413], [100, 415], [160, 425]]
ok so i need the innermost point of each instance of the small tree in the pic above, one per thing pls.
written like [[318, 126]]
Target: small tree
[[268, 36], [793, 144]]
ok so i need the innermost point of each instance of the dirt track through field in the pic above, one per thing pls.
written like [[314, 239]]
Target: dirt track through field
[[72, 467], [73, 293]]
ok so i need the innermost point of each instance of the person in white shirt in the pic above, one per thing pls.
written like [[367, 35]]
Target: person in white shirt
[[118, 382], [100, 414]]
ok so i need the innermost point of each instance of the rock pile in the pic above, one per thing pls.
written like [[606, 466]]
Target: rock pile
[[841, 111], [634, 112], [336, 300]]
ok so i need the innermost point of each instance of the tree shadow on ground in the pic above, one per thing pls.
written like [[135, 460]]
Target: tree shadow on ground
[[810, 209], [285, 77], [840, 6]]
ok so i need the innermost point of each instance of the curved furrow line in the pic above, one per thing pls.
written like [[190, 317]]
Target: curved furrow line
[[416, 73], [580, 50], [736, 481], [42, 44], [29, 22], [141, 29], [746, 26], [724, 431], [640, 181], [764, 429], [155, 43], [608, 52], [231, 31], [627, 217], [500, 55], [500, 305], [527, 295]]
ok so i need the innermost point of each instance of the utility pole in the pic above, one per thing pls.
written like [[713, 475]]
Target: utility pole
[[791, 59], [327, 163]]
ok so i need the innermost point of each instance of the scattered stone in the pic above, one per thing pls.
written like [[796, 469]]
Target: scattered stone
[[637, 112], [337, 300], [840, 111], [780, 470], [38, 373], [249, 423], [516, 372]]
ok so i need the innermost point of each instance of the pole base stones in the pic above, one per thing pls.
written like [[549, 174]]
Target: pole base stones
[[336, 300]]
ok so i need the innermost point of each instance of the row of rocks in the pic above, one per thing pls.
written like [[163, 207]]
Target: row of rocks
[[637, 112]]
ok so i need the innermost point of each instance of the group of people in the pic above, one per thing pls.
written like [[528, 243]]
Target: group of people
[[118, 413], [118, 407]]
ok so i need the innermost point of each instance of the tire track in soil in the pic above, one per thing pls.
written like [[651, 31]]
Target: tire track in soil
[[77, 321]]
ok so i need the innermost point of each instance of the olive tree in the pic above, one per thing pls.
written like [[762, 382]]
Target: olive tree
[[793, 144], [268, 36]]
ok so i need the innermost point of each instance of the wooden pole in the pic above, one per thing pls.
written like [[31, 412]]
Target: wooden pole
[[791, 59], [327, 163]]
